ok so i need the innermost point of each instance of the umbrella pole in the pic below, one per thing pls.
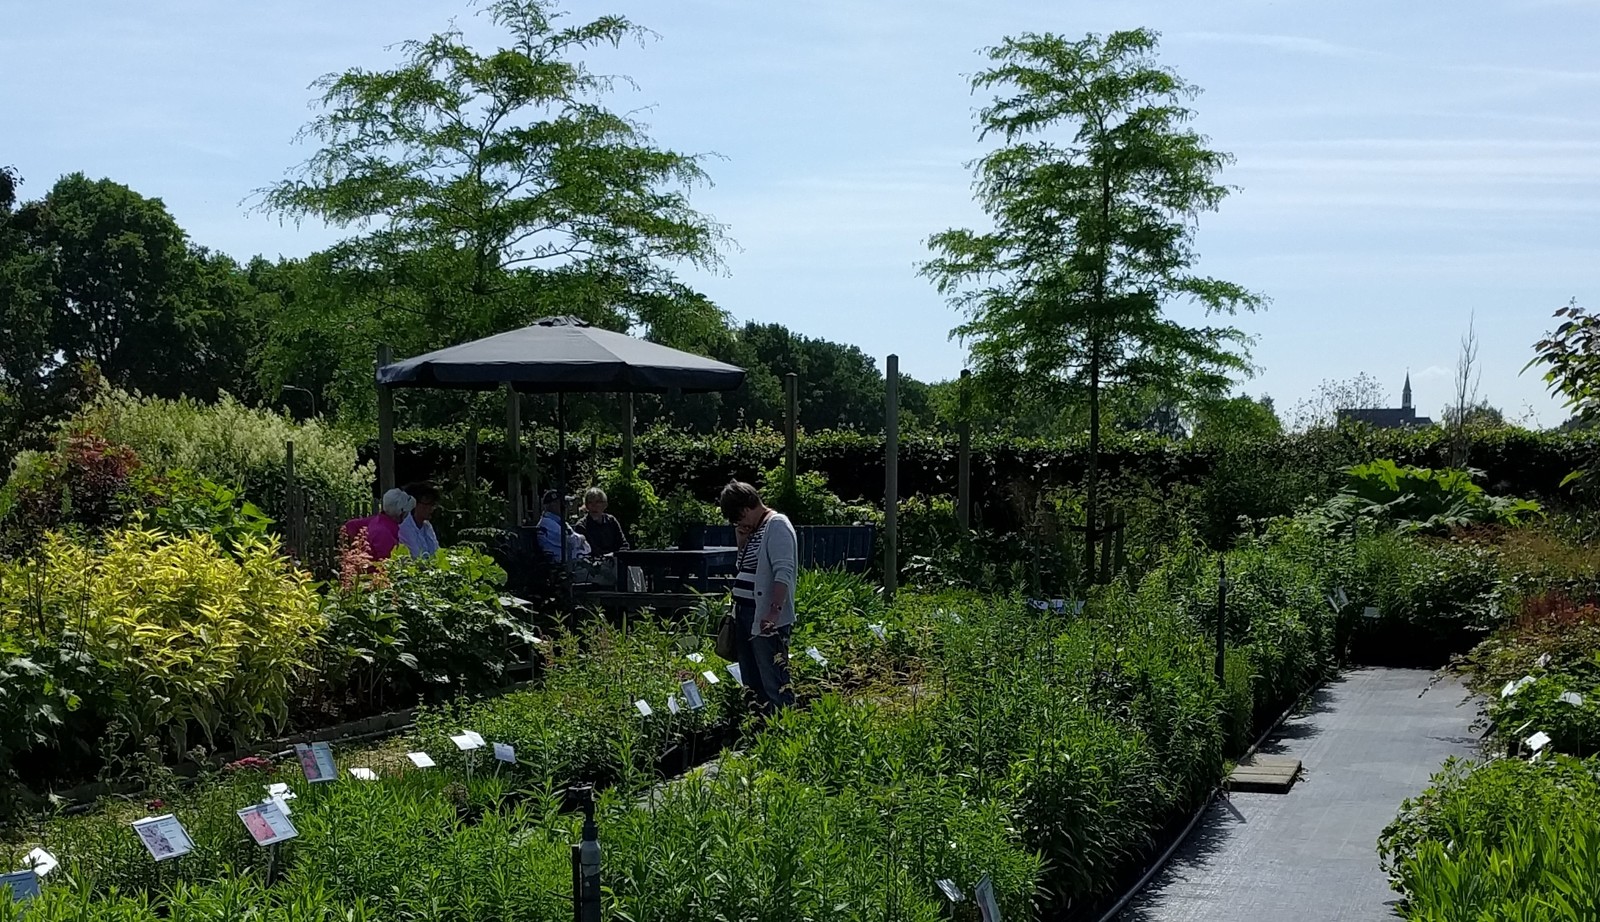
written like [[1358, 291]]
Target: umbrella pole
[[561, 469]]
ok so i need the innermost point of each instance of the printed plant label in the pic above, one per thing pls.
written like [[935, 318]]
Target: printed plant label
[[267, 824], [163, 836]]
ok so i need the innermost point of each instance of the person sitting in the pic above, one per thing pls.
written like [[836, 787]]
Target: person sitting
[[383, 529], [603, 531], [552, 531], [416, 529]]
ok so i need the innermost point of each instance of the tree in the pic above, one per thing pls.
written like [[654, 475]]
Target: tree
[[492, 188], [1094, 197], [1236, 419], [1468, 378], [1321, 409]]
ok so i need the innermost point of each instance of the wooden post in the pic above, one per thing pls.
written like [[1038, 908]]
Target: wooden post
[[891, 478], [964, 458], [293, 509], [627, 433], [513, 458], [385, 427], [791, 426]]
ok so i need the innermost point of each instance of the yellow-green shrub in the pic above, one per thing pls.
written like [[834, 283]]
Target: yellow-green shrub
[[176, 633]]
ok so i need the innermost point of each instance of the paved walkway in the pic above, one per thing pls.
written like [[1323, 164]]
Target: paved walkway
[[1367, 743]]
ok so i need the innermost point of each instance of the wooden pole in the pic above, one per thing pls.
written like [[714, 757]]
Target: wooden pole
[[964, 458], [385, 427], [627, 433], [891, 479], [513, 458], [294, 509], [791, 427]]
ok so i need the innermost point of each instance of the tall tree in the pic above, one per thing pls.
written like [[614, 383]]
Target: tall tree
[[1321, 409], [491, 188], [1094, 196]]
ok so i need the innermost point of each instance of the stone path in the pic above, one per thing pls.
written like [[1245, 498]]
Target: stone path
[[1367, 742]]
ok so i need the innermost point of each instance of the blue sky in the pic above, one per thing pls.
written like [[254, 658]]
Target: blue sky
[[1403, 165]]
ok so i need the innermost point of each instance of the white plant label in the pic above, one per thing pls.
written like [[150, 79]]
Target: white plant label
[[40, 862], [364, 774], [672, 704], [877, 629], [505, 752], [1509, 689], [1538, 741], [282, 804], [316, 761], [267, 824], [280, 789], [696, 658], [1371, 611], [421, 759], [163, 836], [1039, 604], [983, 895], [737, 673], [691, 696], [1343, 599], [816, 654], [467, 741], [1573, 698], [643, 707], [21, 885], [951, 891], [711, 677], [1544, 660]]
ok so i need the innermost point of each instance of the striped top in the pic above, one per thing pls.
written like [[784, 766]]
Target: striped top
[[744, 584]]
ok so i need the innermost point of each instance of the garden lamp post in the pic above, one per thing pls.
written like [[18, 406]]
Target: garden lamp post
[[586, 864]]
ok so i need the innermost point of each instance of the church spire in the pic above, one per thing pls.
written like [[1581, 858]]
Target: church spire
[[1405, 395]]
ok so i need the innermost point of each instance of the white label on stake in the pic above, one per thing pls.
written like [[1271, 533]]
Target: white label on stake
[[1538, 741], [691, 696], [505, 752], [1572, 698], [21, 885], [816, 654], [1038, 604], [421, 759], [711, 677], [267, 824], [644, 708], [316, 761], [40, 861], [696, 658], [364, 774], [878, 630], [672, 704], [282, 804], [163, 836], [280, 789], [737, 673], [1343, 598], [1509, 689], [467, 742], [1371, 611], [951, 891], [1544, 660]]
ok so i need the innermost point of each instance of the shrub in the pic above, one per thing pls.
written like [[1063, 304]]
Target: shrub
[[806, 500], [83, 483], [633, 501], [1418, 499]]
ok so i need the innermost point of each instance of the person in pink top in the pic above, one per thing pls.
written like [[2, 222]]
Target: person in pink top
[[383, 529]]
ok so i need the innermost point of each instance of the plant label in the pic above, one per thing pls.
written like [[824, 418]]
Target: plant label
[[711, 677], [40, 862], [316, 761], [22, 885], [1058, 604], [364, 774], [643, 708], [672, 704], [816, 654], [1371, 611], [1544, 660], [950, 890], [163, 836], [691, 696], [1573, 698], [282, 805], [1333, 603], [467, 741], [1343, 598], [983, 895], [877, 629], [1538, 741], [421, 759], [267, 824], [279, 789], [1077, 606], [696, 658], [1038, 604], [505, 752], [1509, 689], [737, 673]]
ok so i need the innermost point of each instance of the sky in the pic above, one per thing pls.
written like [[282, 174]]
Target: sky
[[1403, 168]]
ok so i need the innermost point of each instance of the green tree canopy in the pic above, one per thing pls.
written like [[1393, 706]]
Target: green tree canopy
[[1093, 197]]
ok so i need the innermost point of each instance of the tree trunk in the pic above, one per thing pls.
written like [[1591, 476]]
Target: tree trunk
[[1091, 508]]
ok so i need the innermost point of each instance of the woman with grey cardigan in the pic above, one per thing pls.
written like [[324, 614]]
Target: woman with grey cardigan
[[763, 594]]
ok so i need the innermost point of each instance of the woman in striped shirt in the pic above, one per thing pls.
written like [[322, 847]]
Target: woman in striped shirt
[[763, 594]]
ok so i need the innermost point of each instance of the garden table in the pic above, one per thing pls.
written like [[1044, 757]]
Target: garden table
[[694, 568]]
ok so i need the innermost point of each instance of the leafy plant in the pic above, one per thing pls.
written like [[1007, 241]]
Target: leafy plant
[[1418, 499]]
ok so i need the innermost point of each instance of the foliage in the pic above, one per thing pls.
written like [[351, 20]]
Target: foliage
[[84, 483], [173, 635], [500, 188], [1093, 235], [806, 499], [631, 498], [179, 502], [1418, 499], [1321, 410]]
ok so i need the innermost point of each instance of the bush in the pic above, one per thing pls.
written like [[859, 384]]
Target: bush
[[175, 634], [85, 483], [1418, 499], [806, 500]]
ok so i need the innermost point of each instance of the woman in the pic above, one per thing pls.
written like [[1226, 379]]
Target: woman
[[383, 530], [416, 529], [763, 594]]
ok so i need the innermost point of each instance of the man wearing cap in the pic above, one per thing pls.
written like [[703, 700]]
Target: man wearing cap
[[552, 529]]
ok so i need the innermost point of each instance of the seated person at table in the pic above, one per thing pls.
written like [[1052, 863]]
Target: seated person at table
[[416, 531], [602, 530], [552, 530], [383, 530]]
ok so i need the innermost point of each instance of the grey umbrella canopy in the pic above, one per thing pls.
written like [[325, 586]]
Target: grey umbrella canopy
[[563, 355]]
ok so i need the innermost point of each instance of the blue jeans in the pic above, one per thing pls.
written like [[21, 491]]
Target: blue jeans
[[764, 662]]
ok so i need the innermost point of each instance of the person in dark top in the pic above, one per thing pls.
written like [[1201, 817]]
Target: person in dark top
[[602, 529]]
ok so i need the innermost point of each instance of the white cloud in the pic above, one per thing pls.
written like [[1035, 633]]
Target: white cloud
[[1290, 44]]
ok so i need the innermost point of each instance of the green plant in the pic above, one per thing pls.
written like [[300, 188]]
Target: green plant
[[632, 500], [806, 499], [1418, 499]]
